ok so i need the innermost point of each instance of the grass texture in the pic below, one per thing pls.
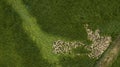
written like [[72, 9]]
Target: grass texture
[[29, 27]]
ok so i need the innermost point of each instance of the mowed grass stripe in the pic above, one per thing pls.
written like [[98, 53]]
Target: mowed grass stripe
[[30, 26]]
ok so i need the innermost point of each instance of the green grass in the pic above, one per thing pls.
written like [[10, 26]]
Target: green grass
[[117, 62], [71, 15], [16, 48], [77, 61], [66, 17], [20, 45]]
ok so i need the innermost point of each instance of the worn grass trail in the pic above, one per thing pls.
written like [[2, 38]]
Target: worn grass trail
[[30, 26], [110, 55]]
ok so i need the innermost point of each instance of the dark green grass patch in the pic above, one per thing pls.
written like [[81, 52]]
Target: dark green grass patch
[[16, 49], [8, 57], [80, 50], [117, 62], [77, 61]]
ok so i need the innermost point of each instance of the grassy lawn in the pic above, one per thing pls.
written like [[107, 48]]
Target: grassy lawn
[[27, 34], [117, 62]]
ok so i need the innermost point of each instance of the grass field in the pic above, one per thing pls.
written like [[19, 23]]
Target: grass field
[[28, 29]]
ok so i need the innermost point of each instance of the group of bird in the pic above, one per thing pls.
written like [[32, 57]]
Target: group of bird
[[97, 47]]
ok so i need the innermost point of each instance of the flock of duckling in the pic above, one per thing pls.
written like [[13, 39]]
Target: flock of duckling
[[98, 46], [99, 43], [61, 47]]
